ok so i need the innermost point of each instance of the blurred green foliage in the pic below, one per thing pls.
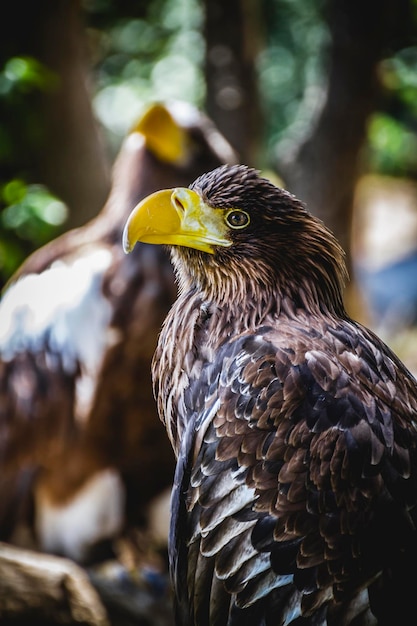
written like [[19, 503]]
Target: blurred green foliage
[[392, 132], [139, 59], [29, 214], [291, 70], [155, 49], [20, 79]]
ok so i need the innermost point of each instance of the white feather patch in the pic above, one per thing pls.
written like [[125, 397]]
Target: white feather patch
[[63, 305], [94, 513]]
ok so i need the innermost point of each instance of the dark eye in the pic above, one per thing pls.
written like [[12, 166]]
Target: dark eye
[[237, 219]]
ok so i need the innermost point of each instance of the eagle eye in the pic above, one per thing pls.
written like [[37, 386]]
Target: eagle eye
[[235, 218]]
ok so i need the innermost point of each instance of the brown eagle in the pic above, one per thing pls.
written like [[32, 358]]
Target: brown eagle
[[294, 427], [82, 451]]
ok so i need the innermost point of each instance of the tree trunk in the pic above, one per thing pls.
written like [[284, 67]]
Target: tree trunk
[[324, 171], [232, 32]]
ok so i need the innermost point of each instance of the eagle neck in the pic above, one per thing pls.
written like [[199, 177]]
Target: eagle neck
[[191, 335]]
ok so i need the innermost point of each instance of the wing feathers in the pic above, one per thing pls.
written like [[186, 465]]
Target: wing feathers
[[299, 457]]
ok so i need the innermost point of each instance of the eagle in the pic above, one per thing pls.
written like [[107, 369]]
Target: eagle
[[294, 427], [82, 451]]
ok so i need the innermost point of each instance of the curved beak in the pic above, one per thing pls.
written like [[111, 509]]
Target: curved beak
[[176, 217]]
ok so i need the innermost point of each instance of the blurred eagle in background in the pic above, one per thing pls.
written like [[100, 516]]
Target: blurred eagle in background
[[82, 451], [294, 427]]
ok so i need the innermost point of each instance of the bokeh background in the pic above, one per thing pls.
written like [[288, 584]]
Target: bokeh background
[[320, 95]]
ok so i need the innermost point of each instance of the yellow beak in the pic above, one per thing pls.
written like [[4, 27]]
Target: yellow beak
[[176, 217], [164, 137]]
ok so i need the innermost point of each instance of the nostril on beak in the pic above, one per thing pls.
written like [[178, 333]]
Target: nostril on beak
[[177, 202]]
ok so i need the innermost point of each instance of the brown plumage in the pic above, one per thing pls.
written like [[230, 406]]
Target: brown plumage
[[294, 427], [80, 440]]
